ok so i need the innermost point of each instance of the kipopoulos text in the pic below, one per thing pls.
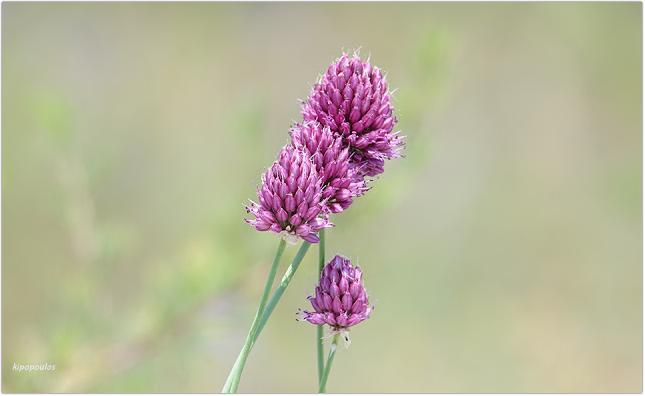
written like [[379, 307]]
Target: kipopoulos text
[[33, 367]]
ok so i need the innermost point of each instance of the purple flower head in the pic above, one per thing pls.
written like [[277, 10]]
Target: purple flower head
[[340, 182], [340, 299], [291, 202], [353, 100]]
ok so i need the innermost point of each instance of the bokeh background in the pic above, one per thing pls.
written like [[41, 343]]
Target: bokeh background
[[503, 253]]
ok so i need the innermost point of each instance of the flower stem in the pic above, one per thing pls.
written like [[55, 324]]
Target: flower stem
[[279, 291], [319, 329], [330, 360], [233, 379]]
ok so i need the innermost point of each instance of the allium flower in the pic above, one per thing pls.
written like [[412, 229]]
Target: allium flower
[[353, 100], [340, 299], [340, 182], [291, 202]]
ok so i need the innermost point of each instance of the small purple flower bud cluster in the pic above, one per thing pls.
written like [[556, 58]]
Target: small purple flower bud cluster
[[353, 100], [290, 198], [345, 137], [340, 299]]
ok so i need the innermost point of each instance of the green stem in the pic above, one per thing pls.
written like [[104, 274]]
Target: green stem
[[279, 291], [319, 330], [272, 272], [330, 360], [233, 379]]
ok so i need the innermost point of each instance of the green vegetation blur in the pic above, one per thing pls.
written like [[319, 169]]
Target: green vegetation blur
[[502, 254]]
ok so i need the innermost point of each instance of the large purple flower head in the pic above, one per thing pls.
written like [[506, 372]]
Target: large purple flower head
[[340, 182], [353, 100], [291, 202], [340, 299]]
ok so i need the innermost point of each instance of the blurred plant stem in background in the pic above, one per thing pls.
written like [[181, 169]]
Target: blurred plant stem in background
[[233, 380]]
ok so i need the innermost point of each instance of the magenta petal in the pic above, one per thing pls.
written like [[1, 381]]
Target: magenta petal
[[327, 302], [303, 229], [359, 307], [290, 203], [311, 238], [295, 220], [314, 303], [337, 306], [275, 227], [262, 225], [343, 284], [354, 319], [355, 289], [347, 302], [282, 215], [334, 291], [315, 318]]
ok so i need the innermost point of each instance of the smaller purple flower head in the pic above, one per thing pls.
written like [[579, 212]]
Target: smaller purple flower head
[[340, 299], [352, 98], [340, 182], [290, 198]]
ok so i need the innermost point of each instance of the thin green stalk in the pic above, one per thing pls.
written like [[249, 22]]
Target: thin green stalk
[[279, 291], [233, 381], [319, 329], [236, 372], [330, 360], [268, 285]]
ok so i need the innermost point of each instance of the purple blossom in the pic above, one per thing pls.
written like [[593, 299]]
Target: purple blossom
[[340, 299], [291, 202], [353, 100], [340, 182]]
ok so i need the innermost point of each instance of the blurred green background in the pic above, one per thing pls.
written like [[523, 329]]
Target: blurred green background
[[503, 254]]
